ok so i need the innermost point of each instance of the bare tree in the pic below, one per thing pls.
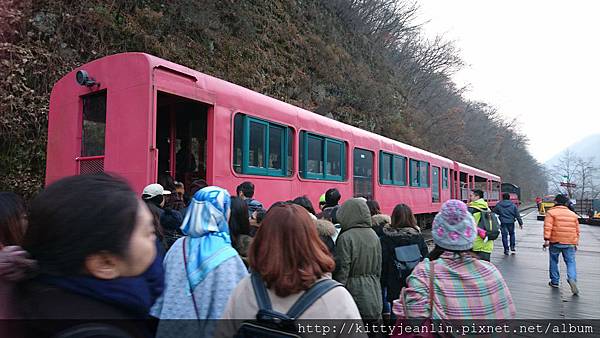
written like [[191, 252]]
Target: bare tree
[[388, 22], [585, 174], [565, 171]]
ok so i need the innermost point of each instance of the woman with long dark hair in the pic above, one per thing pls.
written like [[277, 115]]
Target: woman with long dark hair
[[13, 219], [402, 248], [239, 227], [14, 261]]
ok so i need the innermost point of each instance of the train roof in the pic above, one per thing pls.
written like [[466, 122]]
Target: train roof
[[478, 172]]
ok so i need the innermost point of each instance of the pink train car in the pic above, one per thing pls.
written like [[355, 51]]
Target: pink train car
[[143, 118]]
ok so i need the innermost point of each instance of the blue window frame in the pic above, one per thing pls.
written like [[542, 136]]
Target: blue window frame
[[261, 147], [392, 169], [423, 174], [435, 185], [414, 173], [444, 178], [322, 158], [419, 173]]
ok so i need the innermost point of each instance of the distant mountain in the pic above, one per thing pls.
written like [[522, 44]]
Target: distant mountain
[[586, 148]]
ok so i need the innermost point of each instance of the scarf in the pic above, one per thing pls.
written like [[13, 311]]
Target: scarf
[[208, 243], [135, 294]]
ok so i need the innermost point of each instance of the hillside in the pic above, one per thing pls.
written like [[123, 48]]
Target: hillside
[[587, 147], [362, 62]]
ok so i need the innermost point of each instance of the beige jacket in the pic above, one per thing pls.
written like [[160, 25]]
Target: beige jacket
[[242, 305]]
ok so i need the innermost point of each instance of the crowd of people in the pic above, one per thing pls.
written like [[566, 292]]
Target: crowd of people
[[88, 249]]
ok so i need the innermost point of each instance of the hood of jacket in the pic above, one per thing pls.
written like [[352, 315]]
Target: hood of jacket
[[354, 213], [405, 232], [381, 220], [325, 228], [479, 204]]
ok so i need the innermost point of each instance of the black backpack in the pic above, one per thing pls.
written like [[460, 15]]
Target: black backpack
[[488, 222], [406, 257], [273, 324]]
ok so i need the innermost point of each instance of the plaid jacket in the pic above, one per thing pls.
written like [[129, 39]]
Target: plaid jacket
[[464, 288]]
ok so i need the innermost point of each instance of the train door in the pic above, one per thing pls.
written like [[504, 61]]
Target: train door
[[181, 138], [435, 185], [363, 173], [452, 184]]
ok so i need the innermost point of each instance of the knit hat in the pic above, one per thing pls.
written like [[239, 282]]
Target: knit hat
[[453, 227]]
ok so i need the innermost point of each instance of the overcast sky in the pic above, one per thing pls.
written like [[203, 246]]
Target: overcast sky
[[537, 61]]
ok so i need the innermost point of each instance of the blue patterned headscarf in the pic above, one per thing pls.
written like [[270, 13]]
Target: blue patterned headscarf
[[208, 243]]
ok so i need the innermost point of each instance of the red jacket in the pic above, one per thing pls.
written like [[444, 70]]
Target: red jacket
[[561, 225]]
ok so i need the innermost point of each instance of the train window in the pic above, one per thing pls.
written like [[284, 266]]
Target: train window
[[238, 136], [392, 169], [276, 150], [435, 185], [256, 144], [444, 178], [322, 157], [261, 147], [290, 151], [315, 155], [419, 173], [414, 173], [385, 168], [399, 170], [423, 174], [94, 125], [334, 158], [481, 183]]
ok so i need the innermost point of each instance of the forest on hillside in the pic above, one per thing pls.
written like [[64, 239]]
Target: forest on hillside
[[362, 62]]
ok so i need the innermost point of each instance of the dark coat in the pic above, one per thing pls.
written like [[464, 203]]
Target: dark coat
[[507, 212], [173, 201], [56, 310], [330, 214], [391, 239], [171, 221], [253, 205], [358, 258]]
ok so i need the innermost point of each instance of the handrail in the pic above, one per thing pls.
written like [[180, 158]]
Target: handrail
[[89, 158]]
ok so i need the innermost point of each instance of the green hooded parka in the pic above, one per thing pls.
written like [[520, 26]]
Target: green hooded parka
[[358, 258]]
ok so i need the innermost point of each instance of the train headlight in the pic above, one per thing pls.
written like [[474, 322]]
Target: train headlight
[[84, 79]]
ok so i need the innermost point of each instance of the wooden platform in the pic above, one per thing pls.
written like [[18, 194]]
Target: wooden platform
[[526, 274]]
